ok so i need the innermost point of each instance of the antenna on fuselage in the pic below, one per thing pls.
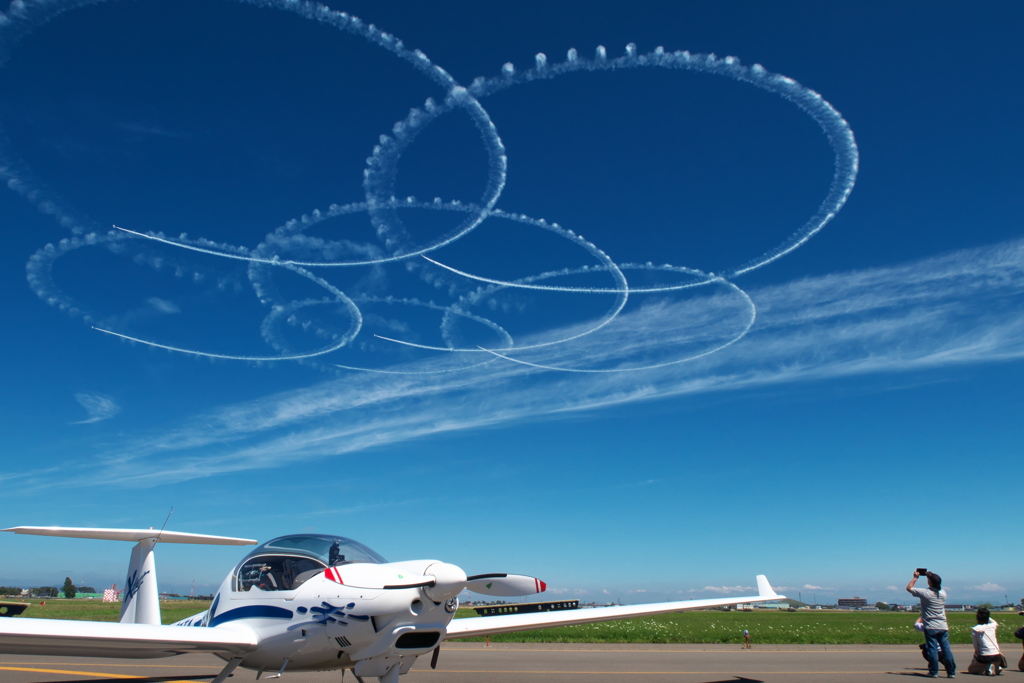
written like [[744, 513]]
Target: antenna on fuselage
[[165, 521]]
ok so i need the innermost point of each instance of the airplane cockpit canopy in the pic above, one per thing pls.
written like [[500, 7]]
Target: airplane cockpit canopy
[[286, 562]]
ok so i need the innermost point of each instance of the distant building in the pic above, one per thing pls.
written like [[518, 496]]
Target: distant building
[[852, 603]]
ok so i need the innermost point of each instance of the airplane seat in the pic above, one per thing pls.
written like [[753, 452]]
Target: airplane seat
[[306, 576], [277, 572]]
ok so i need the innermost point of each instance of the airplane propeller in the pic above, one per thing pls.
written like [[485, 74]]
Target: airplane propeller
[[439, 581], [505, 584], [450, 580], [433, 657], [488, 584]]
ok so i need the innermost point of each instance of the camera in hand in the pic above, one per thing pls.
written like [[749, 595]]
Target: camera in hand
[[922, 571]]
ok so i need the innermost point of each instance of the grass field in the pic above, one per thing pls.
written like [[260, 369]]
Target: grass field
[[801, 627]]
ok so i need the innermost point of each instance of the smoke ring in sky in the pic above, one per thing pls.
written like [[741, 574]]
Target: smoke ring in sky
[[835, 127], [383, 209], [40, 277]]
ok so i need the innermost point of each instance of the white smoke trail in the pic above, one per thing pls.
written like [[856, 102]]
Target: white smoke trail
[[395, 244], [837, 130], [505, 339]]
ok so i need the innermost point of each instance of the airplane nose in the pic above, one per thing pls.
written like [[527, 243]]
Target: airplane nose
[[449, 581]]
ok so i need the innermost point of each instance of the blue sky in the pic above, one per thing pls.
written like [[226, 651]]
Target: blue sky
[[644, 360]]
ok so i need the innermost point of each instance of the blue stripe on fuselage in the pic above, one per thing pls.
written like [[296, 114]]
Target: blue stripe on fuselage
[[252, 612]]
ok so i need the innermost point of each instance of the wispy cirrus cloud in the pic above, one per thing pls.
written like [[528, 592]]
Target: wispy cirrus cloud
[[959, 308], [163, 306], [99, 407]]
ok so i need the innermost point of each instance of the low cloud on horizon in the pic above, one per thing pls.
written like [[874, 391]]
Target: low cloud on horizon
[[724, 590]]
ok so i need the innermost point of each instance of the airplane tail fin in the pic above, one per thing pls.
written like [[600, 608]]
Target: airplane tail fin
[[764, 589], [141, 597], [141, 603]]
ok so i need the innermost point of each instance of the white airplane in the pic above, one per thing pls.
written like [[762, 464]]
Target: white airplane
[[307, 602]]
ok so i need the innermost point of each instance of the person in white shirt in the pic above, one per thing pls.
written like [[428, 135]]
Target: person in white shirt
[[988, 660]]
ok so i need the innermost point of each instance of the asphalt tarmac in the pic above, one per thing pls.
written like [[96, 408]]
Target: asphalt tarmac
[[530, 663]]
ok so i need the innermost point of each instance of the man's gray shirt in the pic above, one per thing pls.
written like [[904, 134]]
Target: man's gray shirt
[[933, 608]]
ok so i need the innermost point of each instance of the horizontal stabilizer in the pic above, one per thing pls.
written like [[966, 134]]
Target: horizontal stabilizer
[[129, 535]]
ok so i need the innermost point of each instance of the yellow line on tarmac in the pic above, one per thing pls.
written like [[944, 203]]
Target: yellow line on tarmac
[[738, 650], [133, 665], [63, 671], [95, 674], [648, 673]]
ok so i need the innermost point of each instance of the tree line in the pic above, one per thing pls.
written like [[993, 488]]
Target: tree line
[[69, 590]]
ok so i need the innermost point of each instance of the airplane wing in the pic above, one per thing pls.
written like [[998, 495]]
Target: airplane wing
[[20, 636], [129, 535], [507, 623]]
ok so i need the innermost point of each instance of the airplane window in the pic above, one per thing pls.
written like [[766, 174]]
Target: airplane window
[[285, 563], [276, 572], [332, 550]]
